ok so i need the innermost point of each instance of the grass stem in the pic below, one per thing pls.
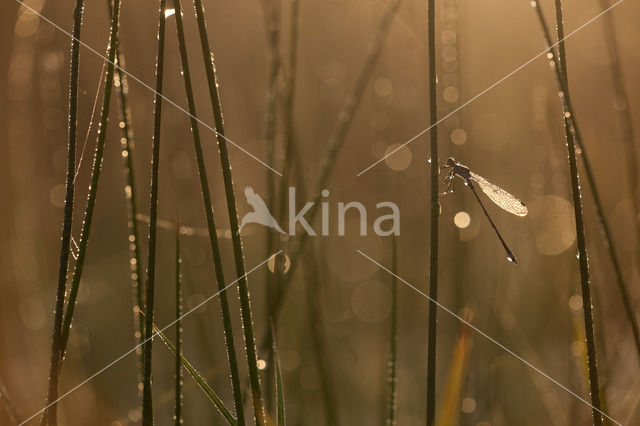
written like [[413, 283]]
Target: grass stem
[[392, 373], [245, 302], [627, 136], [147, 399], [435, 214], [95, 179], [50, 415], [572, 135], [200, 380], [127, 144], [177, 414], [211, 224], [272, 25]]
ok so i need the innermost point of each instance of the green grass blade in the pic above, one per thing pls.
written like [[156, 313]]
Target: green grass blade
[[95, 178], [572, 134], [272, 25], [147, 399], [211, 225], [435, 215], [93, 188], [245, 302], [602, 219], [213, 397], [127, 144], [51, 414], [392, 375], [177, 416], [628, 140]]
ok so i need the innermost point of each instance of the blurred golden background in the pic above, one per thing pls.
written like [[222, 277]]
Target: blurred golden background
[[333, 331]]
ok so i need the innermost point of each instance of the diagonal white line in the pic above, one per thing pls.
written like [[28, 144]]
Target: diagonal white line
[[485, 335], [145, 85], [422, 132], [130, 351]]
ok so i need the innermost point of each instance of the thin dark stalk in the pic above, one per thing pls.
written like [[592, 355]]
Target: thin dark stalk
[[56, 341], [177, 414], [272, 25], [435, 214], [127, 144], [392, 375], [211, 224], [336, 141], [147, 400], [95, 178], [275, 279], [621, 105], [626, 128], [245, 302], [572, 134], [289, 113], [93, 189], [200, 380], [273, 284]]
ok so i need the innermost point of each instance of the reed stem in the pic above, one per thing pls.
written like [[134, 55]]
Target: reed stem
[[177, 414], [245, 302], [95, 179], [435, 215], [572, 135], [147, 398], [626, 127], [51, 414], [127, 144], [270, 118], [392, 371], [211, 224]]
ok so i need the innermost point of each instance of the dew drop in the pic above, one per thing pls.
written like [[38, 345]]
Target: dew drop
[[169, 12]]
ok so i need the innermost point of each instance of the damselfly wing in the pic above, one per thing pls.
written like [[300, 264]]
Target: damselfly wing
[[502, 198]]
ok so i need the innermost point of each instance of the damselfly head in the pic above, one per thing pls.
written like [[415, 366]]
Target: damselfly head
[[451, 162]]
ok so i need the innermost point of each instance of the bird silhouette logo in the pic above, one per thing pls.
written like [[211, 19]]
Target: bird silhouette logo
[[260, 213]]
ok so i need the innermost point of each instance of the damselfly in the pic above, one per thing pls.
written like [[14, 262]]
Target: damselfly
[[498, 195]]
